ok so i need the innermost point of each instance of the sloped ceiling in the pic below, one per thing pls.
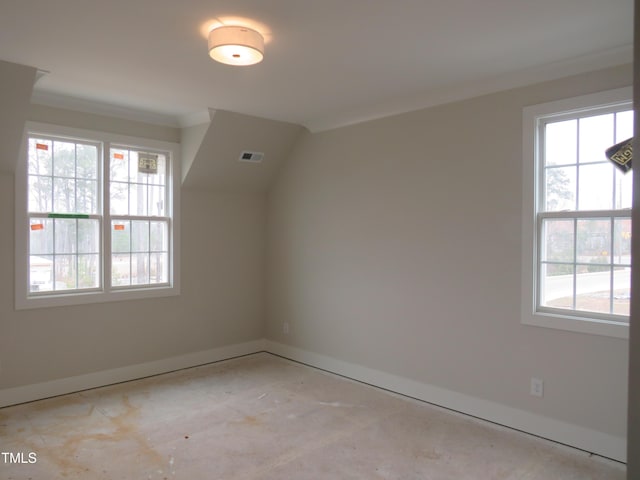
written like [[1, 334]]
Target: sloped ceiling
[[327, 62], [211, 152]]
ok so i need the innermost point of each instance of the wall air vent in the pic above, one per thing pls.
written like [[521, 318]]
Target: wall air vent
[[253, 157]]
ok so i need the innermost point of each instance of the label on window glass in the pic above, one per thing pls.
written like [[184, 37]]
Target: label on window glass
[[118, 227], [42, 146], [147, 163], [621, 154], [118, 156], [37, 226]]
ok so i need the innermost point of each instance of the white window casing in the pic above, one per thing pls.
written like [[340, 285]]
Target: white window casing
[[533, 215], [105, 288]]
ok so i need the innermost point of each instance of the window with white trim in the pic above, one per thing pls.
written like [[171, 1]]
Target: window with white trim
[[95, 218], [577, 215]]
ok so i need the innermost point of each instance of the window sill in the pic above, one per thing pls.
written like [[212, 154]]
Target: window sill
[[46, 301], [591, 326]]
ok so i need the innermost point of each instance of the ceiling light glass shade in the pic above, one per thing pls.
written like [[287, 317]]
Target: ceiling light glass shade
[[236, 45]]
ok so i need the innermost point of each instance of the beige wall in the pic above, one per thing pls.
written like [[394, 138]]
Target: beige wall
[[396, 245], [222, 300]]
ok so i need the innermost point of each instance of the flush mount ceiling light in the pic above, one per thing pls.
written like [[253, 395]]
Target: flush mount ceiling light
[[234, 45]]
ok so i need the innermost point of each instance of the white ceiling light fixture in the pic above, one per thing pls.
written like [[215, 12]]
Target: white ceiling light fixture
[[234, 45]]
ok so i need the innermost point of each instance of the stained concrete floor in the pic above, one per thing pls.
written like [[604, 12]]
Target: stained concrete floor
[[263, 417]]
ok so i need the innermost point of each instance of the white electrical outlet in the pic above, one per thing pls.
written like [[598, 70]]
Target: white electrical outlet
[[285, 328], [537, 387]]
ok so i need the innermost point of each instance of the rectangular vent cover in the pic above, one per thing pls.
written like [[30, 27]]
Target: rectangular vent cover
[[254, 157]]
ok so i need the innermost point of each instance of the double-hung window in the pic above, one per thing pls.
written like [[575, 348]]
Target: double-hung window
[[95, 218], [577, 215]]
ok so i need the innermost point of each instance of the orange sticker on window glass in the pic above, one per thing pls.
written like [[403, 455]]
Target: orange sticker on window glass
[[37, 226], [119, 156], [118, 227], [42, 146]]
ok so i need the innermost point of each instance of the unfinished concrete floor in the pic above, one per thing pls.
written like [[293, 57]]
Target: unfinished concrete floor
[[263, 417]]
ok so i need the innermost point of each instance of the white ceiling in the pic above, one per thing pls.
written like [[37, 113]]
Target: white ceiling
[[327, 62]]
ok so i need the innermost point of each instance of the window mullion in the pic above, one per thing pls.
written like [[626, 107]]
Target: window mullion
[[577, 204], [540, 170], [615, 173], [611, 270], [54, 256], [77, 252], [149, 251], [575, 263], [105, 184]]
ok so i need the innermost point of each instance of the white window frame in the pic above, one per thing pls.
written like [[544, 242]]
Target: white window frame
[[530, 315], [23, 297]]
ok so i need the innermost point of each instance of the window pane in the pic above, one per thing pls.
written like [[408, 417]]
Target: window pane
[[41, 236], [158, 240], [139, 268], [624, 126], [621, 290], [40, 194], [561, 143], [594, 241], [557, 238], [87, 161], [120, 269], [596, 135], [157, 201], [119, 165], [593, 290], [121, 236], [88, 271], [158, 268], [624, 189], [65, 272], [133, 166], [560, 189], [119, 198], [596, 187], [65, 235], [40, 156], [64, 159], [622, 241], [556, 282], [64, 195], [88, 236], [139, 236], [138, 196], [160, 178], [41, 273], [87, 196]]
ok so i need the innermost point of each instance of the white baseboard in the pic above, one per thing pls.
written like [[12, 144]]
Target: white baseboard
[[569, 434], [28, 393]]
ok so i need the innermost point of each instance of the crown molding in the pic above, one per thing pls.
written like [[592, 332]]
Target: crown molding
[[452, 93], [56, 100]]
